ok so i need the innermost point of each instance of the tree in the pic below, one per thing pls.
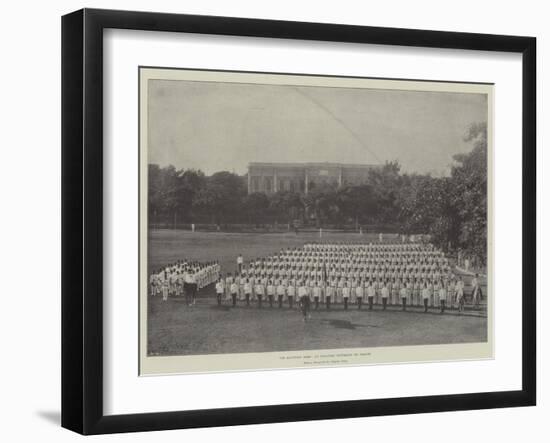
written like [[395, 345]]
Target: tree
[[190, 183], [358, 202], [427, 206], [415, 211], [256, 206], [453, 210], [222, 196], [171, 192], [469, 180], [287, 203], [163, 191], [154, 191], [320, 200], [386, 183]]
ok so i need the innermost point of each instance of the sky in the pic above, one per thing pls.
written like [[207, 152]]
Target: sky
[[224, 126]]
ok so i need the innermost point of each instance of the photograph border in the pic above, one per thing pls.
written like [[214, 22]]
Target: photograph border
[[82, 220], [269, 360]]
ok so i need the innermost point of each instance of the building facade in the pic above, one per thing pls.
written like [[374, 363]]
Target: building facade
[[303, 177]]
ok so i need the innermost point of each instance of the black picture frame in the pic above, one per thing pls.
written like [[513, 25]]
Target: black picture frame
[[82, 220]]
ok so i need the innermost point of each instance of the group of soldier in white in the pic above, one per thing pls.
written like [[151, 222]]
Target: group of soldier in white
[[183, 278], [384, 274]]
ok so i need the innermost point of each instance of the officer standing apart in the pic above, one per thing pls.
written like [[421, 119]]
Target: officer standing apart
[[240, 263]]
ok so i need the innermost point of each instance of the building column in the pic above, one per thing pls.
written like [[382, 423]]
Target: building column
[[340, 178], [249, 181], [275, 182], [306, 182]]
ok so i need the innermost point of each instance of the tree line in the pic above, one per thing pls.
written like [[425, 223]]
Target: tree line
[[452, 209]]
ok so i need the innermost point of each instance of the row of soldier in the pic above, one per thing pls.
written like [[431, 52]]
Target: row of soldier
[[441, 294], [385, 274], [183, 278], [351, 261]]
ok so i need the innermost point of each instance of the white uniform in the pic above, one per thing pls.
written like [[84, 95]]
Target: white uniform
[[459, 288], [259, 289], [346, 291], [475, 285], [317, 292], [165, 289], [291, 291], [427, 293]]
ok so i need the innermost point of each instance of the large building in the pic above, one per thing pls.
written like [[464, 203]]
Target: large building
[[302, 177]]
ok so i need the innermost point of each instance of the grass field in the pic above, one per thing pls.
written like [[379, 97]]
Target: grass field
[[205, 328], [177, 329]]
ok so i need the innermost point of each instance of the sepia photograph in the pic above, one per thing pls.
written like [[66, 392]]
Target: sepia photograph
[[292, 221]]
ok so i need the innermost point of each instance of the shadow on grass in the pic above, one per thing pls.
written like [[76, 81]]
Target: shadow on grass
[[220, 308], [210, 303], [345, 324]]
